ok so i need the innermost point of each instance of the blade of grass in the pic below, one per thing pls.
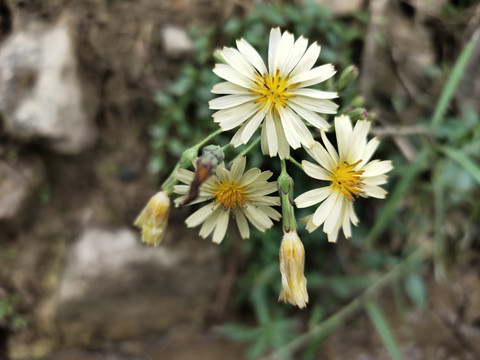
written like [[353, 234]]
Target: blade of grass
[[439, 218], [451, 86], [383, 329], [404, 183], [463, 159]]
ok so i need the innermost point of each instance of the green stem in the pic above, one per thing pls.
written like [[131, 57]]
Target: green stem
[[185, 160], [340, 317], [295, 162], [247, 150], [285, 189]]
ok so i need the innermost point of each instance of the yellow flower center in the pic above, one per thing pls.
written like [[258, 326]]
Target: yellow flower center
[[230, 194], [347, 180], [273, 90]]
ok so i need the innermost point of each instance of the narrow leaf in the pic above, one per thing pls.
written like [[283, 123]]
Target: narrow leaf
[[464, 160], [383, 329], [452, 82]]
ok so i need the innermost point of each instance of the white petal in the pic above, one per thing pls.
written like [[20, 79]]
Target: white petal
[[230, 101], [237, 138], [226, 87], [258, 218], [376, 167], [228, 73], [310, 116], [235, 59], [334, 220], [291, 133], [251, 55], [231, 118], [313, 76], [250, 176], [343, 130], [283, 52], [252, 125], [210, 223], [200, 215], [307, 61], [221, 228], [185, 176], [275, 37], [321, 156], [321, 106], [270, 212], [315, 171], [238, 167], [222, 173], [283, 147], [312, 197], [271, 134], [313, 93], [301, 129], [331, 150], [242, 224], [296, 54], [358, 141], [324, 209], [374, 191], [264, 141], [368, 151], [375, 180]]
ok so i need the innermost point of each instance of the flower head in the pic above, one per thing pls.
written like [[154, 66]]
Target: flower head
[[233, 192], [278, 95], [350, 174], [292, 260], [153, 219]]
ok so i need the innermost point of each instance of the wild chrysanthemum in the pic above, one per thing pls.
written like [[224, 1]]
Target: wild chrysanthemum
[[153, 219], [233, 192], [278, 95], [350, 174], [292, 261]]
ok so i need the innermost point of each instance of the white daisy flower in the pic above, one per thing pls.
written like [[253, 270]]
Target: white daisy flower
[[278, 95], [351, 175], [233, 192]]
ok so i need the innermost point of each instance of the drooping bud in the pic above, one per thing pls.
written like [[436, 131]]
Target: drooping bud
[[212, 156], [292, 261], [153, 219], [348, 76]]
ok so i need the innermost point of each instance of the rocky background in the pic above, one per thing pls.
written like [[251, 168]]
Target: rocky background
[[77, 80]]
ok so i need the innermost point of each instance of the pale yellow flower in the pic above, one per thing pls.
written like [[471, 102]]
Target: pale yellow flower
[[153, 219], [292, 260], [233, 192], [279, 97], [350, 173]]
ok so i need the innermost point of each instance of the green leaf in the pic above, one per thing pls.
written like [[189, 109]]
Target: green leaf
[[464, 160], [451, 86], [416, 290], [383, 329]]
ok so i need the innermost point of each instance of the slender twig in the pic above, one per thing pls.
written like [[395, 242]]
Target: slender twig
[[400, 130], [340, 317]]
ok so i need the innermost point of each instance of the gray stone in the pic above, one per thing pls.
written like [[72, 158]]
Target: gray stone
[[176, 41], [114, 287], [41, 95], [18, 181]]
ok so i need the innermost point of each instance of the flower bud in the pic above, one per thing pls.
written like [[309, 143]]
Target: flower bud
[[292, 260], [348, 76], [153, 219], [358, 114]]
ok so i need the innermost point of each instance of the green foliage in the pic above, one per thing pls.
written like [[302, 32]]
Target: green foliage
[[10, 314]]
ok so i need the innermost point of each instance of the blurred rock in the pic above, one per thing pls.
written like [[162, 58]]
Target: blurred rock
[[41, 95], [18, 181], [176, 41], [114, 288], [341, 7]]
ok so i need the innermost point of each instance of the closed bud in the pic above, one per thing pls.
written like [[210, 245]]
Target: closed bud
[[348, 76], [153, 219], [292, 261], [358, 114]]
